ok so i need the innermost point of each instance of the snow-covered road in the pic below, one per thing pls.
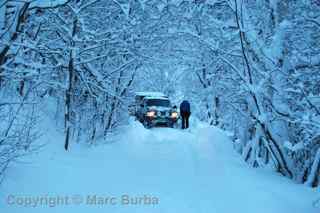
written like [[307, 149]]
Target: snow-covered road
[[172, 170]]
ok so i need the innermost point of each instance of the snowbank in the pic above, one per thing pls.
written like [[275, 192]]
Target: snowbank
[[193, 170]]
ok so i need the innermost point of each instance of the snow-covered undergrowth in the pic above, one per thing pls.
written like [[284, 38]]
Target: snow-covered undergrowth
[[161, 170]]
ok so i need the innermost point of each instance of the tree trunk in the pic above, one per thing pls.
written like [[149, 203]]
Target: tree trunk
[[20, 19], [313, 179], [272, 144], [68, 95]]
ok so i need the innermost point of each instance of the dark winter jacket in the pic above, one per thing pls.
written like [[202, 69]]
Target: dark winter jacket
[[185, 107]]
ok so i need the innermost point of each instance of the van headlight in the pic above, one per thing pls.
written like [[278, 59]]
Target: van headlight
[[151, 114], [174, 115]]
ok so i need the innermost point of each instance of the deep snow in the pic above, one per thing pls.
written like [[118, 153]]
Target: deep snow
[[187, 171]]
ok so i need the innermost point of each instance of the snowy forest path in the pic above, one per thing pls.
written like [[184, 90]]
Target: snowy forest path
[[194, 171]]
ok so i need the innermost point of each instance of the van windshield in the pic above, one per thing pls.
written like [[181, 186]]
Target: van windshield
[[158, 102]]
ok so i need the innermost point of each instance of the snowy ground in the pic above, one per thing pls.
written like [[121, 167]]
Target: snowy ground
[[182, 171]]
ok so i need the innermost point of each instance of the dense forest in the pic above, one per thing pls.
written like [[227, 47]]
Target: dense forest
[[249, 67]]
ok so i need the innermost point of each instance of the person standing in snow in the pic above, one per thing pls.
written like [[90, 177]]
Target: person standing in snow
[[185, 113]]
